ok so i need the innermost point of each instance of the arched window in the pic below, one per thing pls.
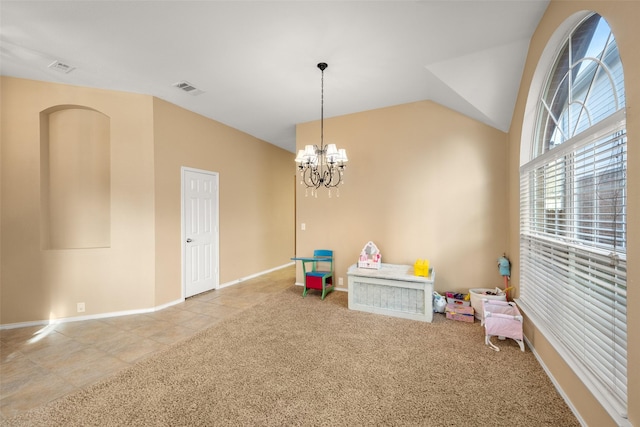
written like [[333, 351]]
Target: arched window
[[573, 218]]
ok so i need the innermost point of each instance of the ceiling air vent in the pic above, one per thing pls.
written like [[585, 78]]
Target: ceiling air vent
[[187, 87], [61, 67]]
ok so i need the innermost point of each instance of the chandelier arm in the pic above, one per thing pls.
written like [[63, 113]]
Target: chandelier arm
[[305, 175], [314, 179], [326, 178], [331, 174]]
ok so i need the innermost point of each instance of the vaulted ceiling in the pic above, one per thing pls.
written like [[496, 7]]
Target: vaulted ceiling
[[253, 63]]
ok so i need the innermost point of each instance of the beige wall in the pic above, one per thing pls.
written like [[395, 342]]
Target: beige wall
[[41, 284], [422, 182], [141, 269], [256, 195], [622, 17]]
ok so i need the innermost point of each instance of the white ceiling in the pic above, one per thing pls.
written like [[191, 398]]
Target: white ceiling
[[256, 60]]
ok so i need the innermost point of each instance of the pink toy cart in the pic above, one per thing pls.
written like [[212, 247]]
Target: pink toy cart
[[503, 320]]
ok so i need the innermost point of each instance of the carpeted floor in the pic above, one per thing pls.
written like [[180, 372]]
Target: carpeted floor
[[303, 361]]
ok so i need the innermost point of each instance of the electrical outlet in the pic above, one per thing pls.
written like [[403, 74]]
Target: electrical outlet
[[80, 307], [340, 281]]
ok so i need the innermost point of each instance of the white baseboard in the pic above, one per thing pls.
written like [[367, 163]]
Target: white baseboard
[[253, 276], [555, 383], [126, 312], [89, 317]]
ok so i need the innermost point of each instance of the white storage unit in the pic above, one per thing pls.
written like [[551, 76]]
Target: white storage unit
[[392, 290]]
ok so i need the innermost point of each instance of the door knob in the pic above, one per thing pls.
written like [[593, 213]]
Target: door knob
[[189, 240]]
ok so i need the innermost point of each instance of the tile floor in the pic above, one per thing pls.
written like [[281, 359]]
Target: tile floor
[[42, 363]]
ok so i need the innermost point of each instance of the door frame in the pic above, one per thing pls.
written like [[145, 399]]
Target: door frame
[[216, 237]]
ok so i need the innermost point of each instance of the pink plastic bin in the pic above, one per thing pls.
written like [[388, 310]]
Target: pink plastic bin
[[502, 319]]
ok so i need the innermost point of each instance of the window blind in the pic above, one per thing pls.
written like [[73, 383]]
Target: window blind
[[573, 215], [573, 251]]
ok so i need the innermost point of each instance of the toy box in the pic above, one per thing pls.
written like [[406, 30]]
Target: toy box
[[457, 299], [461, 313]]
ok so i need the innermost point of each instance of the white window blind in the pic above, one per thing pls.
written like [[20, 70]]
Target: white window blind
[[573, 214]]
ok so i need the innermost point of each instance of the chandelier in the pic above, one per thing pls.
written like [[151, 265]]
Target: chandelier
[[321, 165]]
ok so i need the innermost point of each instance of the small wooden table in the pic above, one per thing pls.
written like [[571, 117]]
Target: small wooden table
[[392, 290]]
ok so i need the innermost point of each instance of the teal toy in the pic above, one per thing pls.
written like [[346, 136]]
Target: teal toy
[[504, 265]]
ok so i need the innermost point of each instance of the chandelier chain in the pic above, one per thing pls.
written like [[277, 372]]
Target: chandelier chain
[[322, 108]]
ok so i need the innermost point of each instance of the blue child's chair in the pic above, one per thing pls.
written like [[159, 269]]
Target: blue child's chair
[[320, 275]]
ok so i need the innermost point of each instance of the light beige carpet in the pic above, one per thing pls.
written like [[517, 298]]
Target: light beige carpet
[[303, 361]]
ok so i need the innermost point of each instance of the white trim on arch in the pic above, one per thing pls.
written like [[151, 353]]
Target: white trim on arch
[[544, 67]]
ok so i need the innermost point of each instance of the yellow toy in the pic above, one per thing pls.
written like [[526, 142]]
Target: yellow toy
[[421, 267]]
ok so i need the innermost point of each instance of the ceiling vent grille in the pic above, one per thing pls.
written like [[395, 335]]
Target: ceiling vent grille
[[187, 87], [61, 67]]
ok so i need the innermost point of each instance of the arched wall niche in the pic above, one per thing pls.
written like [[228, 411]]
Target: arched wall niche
[[75, 177]]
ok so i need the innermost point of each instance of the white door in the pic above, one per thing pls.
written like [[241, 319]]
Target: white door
[[200, 231]]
